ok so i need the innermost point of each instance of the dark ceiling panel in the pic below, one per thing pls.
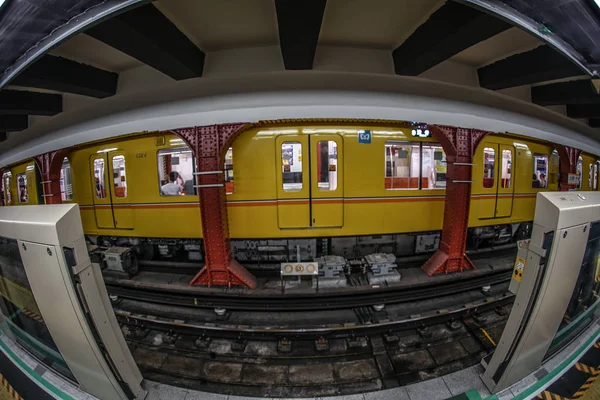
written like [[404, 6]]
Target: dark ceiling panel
[[147, 35], [583, 110], [538, 65], [63, 75], [450, 30], [22, 102], [572, 92], [23, 23], [13, 123], [299, 28], [574, 21]]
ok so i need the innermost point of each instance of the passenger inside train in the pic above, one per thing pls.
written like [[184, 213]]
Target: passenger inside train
[[172, 188]]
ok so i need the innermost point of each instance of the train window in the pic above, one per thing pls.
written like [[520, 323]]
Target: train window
[[66, 182], [433, 168], [540, 171], [506, 168], [327, 166], [228, 168], [554, 166], [579, 171], [402, 164], [119, 178], [595, 186], [591, 177], [99, 178], [22, 188], [176, 172], [6, 178], [489, 162], [291, 166]]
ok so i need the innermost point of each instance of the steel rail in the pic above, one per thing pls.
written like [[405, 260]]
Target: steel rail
[[347, 299], [245, 332]]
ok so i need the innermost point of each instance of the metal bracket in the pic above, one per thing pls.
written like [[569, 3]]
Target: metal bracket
[[209, 172], [209, 185], [462, 181], [464, 163]]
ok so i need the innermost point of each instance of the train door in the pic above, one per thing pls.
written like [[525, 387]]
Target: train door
[[309, 181], [327, 189], [498, 182], [102, 203], [505, 187], [111, 202], [121, 203]]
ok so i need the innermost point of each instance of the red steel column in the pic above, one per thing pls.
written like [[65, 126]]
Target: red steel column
[[209, 145], [459, 145], [49, 165], [567, 161]]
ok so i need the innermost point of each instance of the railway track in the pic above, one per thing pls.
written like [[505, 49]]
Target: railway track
[[352, 297], [320, 360]]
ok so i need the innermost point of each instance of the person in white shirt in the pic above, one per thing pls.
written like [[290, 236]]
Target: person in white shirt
[[172, 188]]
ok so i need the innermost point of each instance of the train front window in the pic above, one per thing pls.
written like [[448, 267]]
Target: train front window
[[6, 185], [540, 171], [327, 167], [119, 177], [402, 164], [291, 166], [489, 162], [176, 172], [99, 182], [506, 168], [433, 168], [22, 188], [66, 182]]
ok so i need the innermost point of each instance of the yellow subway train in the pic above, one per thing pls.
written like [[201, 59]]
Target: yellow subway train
[[347, 190]]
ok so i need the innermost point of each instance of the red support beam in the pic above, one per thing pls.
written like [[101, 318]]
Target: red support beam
[[209, 145], [567, 161], [459, 145], [49, 165]]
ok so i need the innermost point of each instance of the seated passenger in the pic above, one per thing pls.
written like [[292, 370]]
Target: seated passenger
[[172, 188], [536, 182]]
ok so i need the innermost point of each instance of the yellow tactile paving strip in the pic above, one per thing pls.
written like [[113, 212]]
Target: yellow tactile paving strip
[[6, 391]]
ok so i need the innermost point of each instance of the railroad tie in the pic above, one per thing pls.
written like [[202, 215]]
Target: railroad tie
[[9, 389], [581, 391]]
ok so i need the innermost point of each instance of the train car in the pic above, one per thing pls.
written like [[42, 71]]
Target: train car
[[318, 189]]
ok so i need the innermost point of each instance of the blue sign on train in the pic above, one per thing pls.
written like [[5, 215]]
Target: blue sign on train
[[364, 137]]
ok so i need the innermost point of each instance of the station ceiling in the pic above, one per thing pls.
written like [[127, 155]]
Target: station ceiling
[[59, 56]]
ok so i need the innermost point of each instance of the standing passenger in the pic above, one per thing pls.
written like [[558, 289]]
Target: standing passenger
[[172, 188], [543, 182]]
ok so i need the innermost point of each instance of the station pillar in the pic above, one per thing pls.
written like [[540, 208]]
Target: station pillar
[[567, 164], [49, 165], [459, 145], [209, 145]]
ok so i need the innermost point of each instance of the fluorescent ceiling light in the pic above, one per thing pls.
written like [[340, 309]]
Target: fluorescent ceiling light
[[2, 2]]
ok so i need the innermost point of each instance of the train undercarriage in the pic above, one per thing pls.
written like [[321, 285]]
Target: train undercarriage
[[268, 253]]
